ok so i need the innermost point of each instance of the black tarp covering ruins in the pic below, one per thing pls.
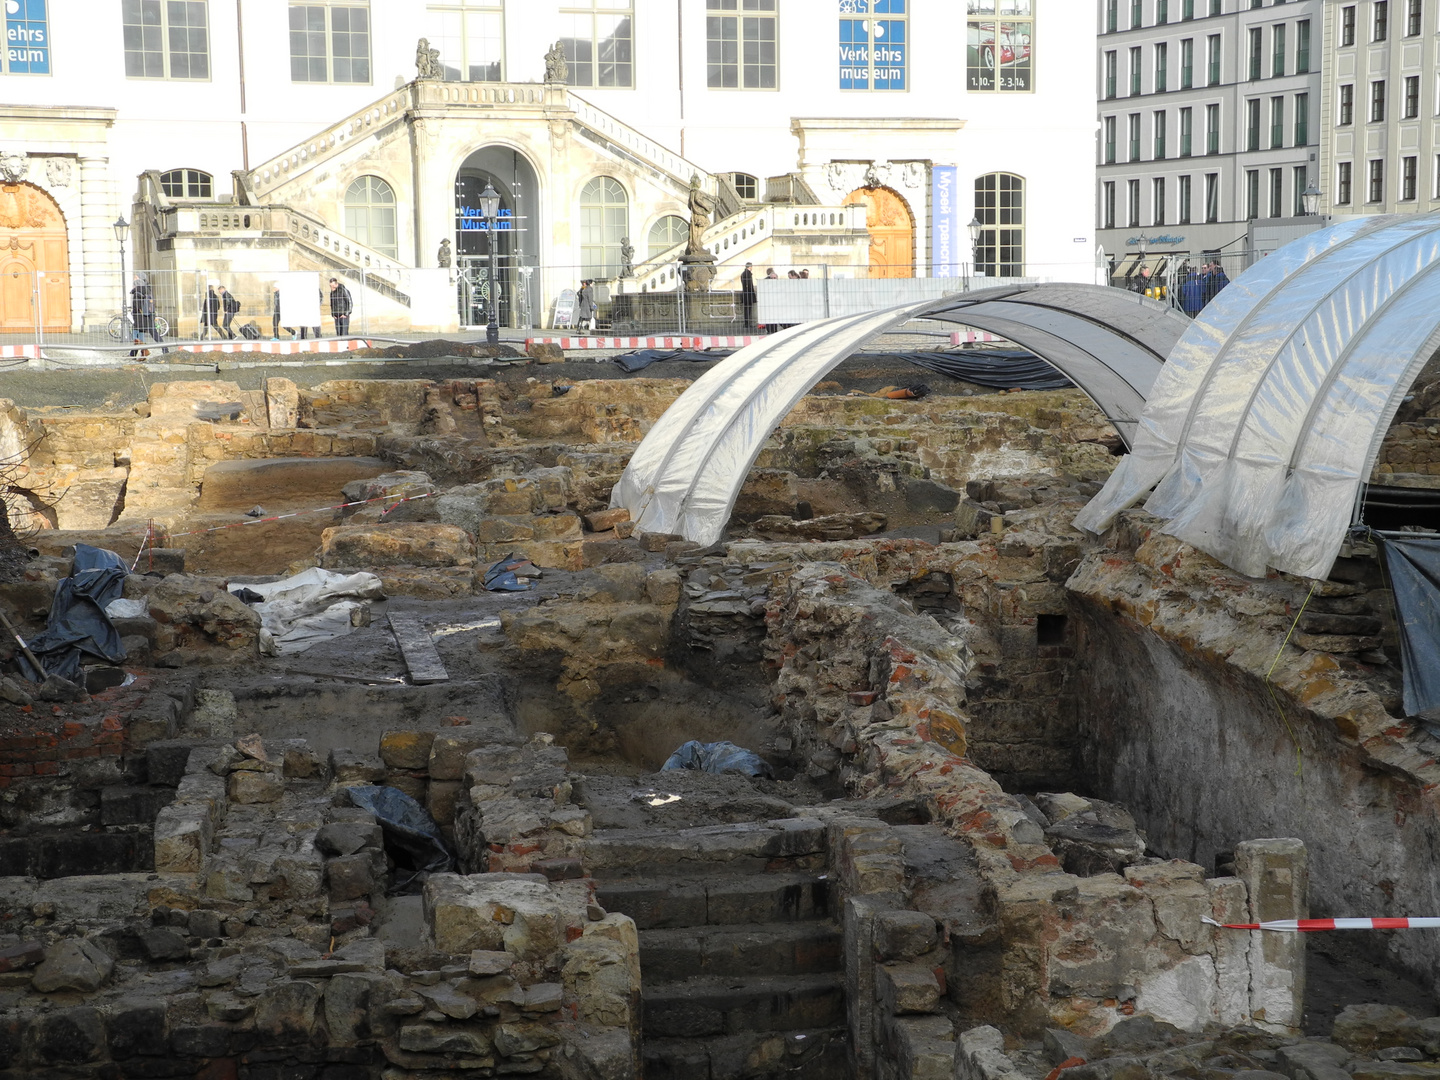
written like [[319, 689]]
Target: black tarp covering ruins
[[412, 838], [1414, 566], [78, 626]]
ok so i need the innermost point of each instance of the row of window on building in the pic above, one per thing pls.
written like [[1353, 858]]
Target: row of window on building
[[330, 42], [1183, 10], [1407, 186], [1409, 102], [1257, 137], [1269, 185], [1278, 55], [1379, 21]]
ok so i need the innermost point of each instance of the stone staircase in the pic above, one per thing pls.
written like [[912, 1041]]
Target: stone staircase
[[741, 960]]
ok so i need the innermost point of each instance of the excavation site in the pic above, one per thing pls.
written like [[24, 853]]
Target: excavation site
[[462, 713]]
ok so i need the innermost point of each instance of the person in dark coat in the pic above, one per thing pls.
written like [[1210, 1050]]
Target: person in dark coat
[[340, 307], [229, 307], [747, 299], [209, 314], [275, 317], [142, 312]]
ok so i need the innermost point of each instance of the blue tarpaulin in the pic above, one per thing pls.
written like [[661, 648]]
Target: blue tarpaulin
[[1414, 567], [78, 625], [716, 757]]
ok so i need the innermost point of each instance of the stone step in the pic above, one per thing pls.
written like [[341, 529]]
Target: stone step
[[697, 1008], [750, 845], [797, 948], [822, 1054], [712, 900]]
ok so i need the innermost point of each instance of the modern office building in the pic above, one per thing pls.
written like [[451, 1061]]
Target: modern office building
[[247, 137], [1379, 107], [1207, 121]]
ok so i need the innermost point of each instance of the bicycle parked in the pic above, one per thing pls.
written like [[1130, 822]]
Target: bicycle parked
[[121, 327]]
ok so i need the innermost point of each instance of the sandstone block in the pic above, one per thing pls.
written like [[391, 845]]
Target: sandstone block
[[406, 749], [249, 786], [349, 767], [903, 935], [286, 1013], [521, 913], [545, 352], [1370, 1027], [440, 799], [282, 404], [907, 988], [602, 520], [182, 839], [347, 837], [361, 547], [347, 999], [68, 1036], [444, 1039], [448, 751], [350, 877], [161, 944], [73, 964]]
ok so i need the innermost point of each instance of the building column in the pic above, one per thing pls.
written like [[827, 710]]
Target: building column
[[100, 293]]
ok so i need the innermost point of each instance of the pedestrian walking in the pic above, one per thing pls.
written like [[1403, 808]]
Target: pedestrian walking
[[748, 297], [209, 314], [275, 317], [585, 305], [229, 308], [340, 307], [142, 312]]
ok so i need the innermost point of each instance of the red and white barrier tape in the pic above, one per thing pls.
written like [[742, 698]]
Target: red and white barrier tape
[[1299, 926], [396, 499]]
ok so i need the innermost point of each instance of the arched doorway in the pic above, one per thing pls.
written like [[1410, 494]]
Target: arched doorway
[[32, 242], [892, 231], [517, 244]]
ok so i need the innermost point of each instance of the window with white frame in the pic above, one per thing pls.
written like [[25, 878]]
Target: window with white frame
[[330, 42], [1000, 48], [598, 39], [1252, 194], [1132, 203], [1343, 172], [27, 38], [1212, 197], [1300, 184], [746, 186], [874, 51], [1376, 194], [1107, 205], [166, 39], [1182, 215], [740, 41], [1157, 201], [1409, 176], [604, 224], [370, 215], [1000, 209], [187, 184], [665, 234], [470, 35]]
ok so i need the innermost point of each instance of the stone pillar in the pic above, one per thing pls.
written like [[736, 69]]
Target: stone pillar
[[98, 294], [1276, 873]]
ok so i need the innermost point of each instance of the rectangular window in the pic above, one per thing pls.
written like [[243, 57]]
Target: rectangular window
[[598, 39], [1214, 7], [874, 53], [1252, 124], [1302, 119], [1107, 205], [1412, 96], [1381, 26], [1187, 63], [1132, 198], [1300, 184], [1377, 181], [1277, 51], [1377, 101], [1252, 194], [1133, 131], [1277, 192], [1159, 119], [1110, 66], [471, 38], [27, 37], [1409, 172], [1342, 184], [166, 39], [1135, 71], [1277, 124], [1347, 104], [1109, 140], [1162, 12], [1157, 201], [1413, 18], [1347, 25], [1255, 52], [1187, 10], [330, 42], [1212, 60], [1000, 54], [1183, 195], [1111, 16], [1212, 197], [1135, 6], [1162, 67], [740, 48], [1212, 129], [1302, 47], [1186, 130]]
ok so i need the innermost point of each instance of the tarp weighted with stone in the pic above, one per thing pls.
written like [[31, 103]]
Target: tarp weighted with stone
[[78, 626], [412, 838], [717, 757]]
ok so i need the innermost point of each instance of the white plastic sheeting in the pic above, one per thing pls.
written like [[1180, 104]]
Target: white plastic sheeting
[[310, 607], [1271, 410], [686, 474]]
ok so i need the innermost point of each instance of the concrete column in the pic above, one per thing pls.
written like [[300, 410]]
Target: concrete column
[[98, 294], [1276, 873]]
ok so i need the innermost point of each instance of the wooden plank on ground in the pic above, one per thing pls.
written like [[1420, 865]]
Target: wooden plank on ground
[[417, 648]]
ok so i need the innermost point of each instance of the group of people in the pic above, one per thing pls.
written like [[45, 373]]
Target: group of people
[[341, 305], [219, 308], [1198, 285]]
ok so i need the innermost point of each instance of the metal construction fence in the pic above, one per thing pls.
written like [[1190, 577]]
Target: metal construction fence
[[1186, 281]]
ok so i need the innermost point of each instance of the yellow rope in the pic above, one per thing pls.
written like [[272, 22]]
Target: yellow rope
[[1294, 741]]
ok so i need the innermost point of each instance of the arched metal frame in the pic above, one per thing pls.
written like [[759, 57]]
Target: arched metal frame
[[686, 474], [1272, 409]]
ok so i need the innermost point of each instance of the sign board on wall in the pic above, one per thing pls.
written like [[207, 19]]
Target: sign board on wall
[[27, 37], [946, 257]]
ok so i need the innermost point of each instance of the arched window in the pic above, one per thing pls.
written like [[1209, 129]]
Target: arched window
[[604, 222], [666, 233], [746, 186], [187, 184], [370, 215], [1000, 208]]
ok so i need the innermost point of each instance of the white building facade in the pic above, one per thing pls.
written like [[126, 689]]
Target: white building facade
[[1208, 121], [244, 138]]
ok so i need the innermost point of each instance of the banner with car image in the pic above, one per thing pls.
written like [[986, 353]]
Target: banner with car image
[[1000, 51]]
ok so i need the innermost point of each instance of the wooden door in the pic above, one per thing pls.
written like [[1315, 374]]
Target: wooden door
[[32, 242], [17, 294], [892, 231]]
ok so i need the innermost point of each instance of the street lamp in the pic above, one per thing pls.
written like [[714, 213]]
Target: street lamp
[[122, 229], [490, 211], [1310, 199], [974, 228]]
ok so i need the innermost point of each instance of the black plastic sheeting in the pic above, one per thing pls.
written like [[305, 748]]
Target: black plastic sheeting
[[1414, 567], [78, 626], [412, 838], [1000, 369], [503, 576], [717, 757]]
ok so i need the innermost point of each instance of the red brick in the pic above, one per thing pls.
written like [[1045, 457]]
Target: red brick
[[111, 722], [110, 751], [71, 729], [19, 769], [46, 768], [109, 738], [83, 752]]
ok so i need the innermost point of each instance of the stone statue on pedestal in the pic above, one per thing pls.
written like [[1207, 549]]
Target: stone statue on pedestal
[[556, 69], [701, 206], [627, 257], [427, 61], [443, 256]]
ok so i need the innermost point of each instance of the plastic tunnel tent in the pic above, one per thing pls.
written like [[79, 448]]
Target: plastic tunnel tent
[[1271, 411], [686, 474]]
